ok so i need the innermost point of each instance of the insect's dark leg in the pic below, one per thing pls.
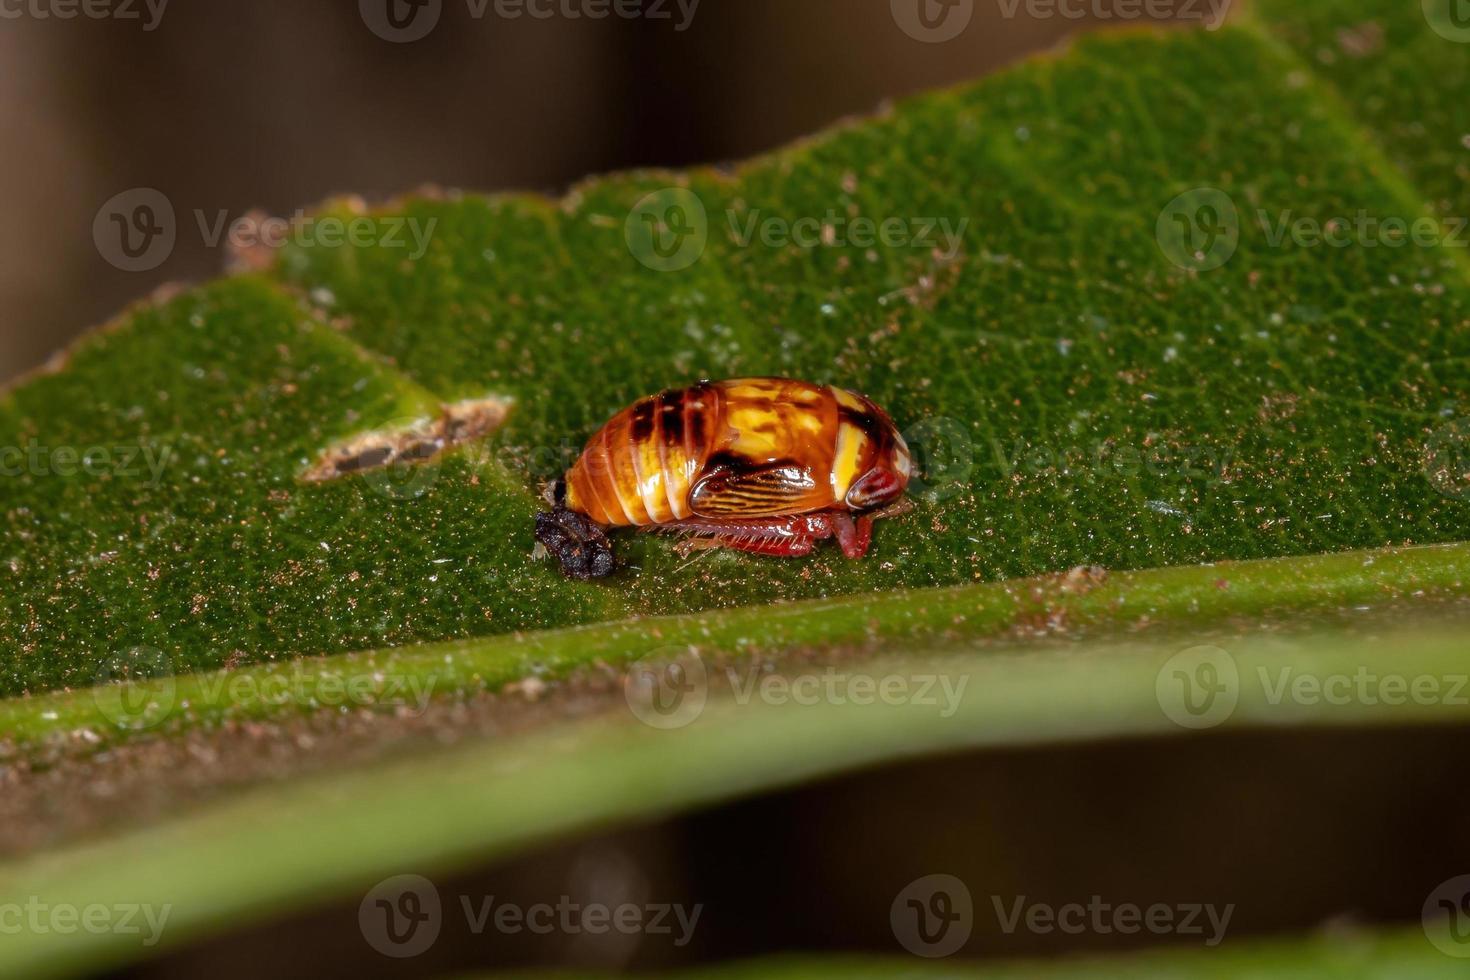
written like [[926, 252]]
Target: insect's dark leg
[[577, 541]]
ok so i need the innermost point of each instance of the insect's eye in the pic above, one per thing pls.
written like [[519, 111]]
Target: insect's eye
[[878, 486]]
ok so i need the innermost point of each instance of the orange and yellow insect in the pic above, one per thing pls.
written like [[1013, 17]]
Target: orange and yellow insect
[[766, 465]]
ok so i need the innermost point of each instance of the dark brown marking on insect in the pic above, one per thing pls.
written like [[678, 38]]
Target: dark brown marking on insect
[[694, 425], [865, 422], [643, 420], [671, 417], [731, 463], [697, 399]]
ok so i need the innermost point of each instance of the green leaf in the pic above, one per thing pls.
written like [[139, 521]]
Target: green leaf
[[1117, 352]]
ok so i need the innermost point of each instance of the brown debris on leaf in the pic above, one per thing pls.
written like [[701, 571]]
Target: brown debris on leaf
[[1083, 579], [412, 440]]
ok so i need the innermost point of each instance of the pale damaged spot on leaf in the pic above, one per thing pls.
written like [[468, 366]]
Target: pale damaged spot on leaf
[[414, 441], [1083, 579]]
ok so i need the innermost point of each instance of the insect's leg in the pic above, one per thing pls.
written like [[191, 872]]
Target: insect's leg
[[780, 536], [853, 535], [793, 547], [901, 506]]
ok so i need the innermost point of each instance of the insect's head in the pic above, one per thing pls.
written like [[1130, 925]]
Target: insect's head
[[886, 480]]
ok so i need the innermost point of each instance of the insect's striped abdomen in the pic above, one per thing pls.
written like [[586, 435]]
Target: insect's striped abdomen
[[640, 466]]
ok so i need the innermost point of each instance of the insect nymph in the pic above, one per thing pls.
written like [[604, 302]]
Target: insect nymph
[[765, 465]]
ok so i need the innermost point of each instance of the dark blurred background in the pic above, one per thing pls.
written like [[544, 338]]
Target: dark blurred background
[[226, 107]]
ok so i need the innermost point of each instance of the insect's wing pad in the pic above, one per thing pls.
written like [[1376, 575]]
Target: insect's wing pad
[[733, 491]]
